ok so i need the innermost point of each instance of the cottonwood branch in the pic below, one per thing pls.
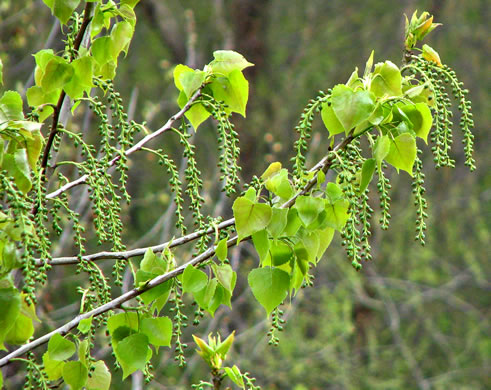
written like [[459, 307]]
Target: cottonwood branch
[[138, 146], [322, 165]]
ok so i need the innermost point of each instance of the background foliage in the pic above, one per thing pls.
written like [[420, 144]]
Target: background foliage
[[416, 317]]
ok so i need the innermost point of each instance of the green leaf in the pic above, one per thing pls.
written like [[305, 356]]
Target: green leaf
[[280, 185], [153, 263], [337, 214], [84, 325], [226, 276], [420, 116], [233, 90], [351, 107], [431, 55], [197, 114], [270, 286], [250, 217], [10, 306], [278, 222], [158, 330], [121, 35], [235, 376], [221, 250], [281, 253], [193, 279], [17, 165], [381, 149], [205, 296], [60, 348], [102, 50], [21, 331], [387, 80], [402, 153], [53, 368], [325, 237], [62, 9], [179, 71], [308, 208], [226, 61], [10, 107], [100, 378], [368, 65], [56, 74], [132, 353], [83, 70], [127, 319], [293, 222], [367, 171], [331, 121], [1, 76], [262, 243], [36, 96], [75, 375], [191, 81]]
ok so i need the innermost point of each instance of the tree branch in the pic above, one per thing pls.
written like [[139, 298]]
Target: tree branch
[[323, 165], [134, 148]]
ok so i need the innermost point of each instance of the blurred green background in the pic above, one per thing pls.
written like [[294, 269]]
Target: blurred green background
[[415, 317]]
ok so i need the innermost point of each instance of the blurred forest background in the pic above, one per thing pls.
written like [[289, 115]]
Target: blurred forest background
[[415, 317]]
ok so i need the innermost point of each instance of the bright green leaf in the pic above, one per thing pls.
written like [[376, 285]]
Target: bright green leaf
[[387, 80], [325, 237], [121, 35], [84, 325], [11, 107], [250, 217], [351, 107], [53, 368], [381, 149], [132, 353], [127, 319], [420, 116], [262, 243], [278, 221], [158, 330], [62, 9], [270, 286], [17, 165], [402, 153], [331, 121], [337, 214], [193, 279], [21, 330], [226, 276], [10, 306], [281, 253], [197, 114], [60, 348], [367, 171], [56, 74], [75, 375], [280, 185], [226, 61], [221, 249], [235, 376], [191, 81], [100, 378], [308, 208], [233, 90]]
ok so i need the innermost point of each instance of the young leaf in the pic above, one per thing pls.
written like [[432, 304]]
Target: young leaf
[[17, 165], [233, 90], [100, 378], [351, 107], [21, 330], [387, 80], [402, 153], [250, 217], [60, 348], [193, 279], [331, 121], [308, 208], [270, 286], [221, 249], [53, 368], [235, 376], [226, 276], [278, 222], [62, 9], [279, 185], [325, 237], [367, 171], [381, 149], [75, 375], [191, 81], [262, 243], [127, 319], [132, 353], [431, 55], [56, 74], [420, 116], [226, 61], [158, 330], [337, 214], [281, 253], [10, 305], [197, 114]]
